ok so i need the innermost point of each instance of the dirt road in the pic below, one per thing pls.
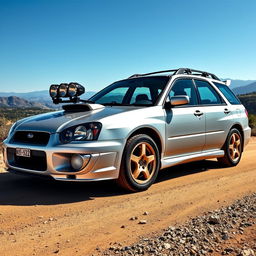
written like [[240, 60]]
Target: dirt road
[[40, 217]]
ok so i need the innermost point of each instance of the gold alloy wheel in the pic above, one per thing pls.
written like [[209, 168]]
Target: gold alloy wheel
[[235, 147], [142, 162]]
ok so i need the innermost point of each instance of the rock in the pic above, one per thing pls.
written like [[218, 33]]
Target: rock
[[214, 219], [143, 222], [210, 230], [225, 236], [134, 218], [247, 252], [167, 246], [123, 226], [228, 249], [146, 213]]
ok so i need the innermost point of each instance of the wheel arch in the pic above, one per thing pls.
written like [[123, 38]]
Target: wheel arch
[[240, 129], [151, 132]]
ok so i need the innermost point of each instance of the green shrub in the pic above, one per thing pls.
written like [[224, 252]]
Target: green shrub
[[252, 121]]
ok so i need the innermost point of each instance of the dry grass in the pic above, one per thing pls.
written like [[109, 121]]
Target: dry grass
[[1, 163], [253, 131]]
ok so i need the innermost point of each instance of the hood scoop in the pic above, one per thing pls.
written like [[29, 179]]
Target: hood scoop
[[82, 107]]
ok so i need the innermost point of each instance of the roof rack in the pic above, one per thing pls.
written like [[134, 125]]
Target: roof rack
[[180, 71]]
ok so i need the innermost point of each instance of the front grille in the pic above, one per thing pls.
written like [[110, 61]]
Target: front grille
[[36, 161], [31, 138]]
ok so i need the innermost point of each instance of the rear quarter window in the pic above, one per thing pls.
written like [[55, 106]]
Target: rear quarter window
[[229, 95]]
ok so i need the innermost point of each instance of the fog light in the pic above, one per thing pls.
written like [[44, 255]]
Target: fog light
[[78, 162]]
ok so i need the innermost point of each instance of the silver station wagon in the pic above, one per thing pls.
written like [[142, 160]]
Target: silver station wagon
[[131, 129]]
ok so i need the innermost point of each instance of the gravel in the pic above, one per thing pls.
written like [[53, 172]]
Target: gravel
[[203, 235]]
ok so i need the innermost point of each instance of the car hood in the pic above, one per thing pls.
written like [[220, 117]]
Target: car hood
[[57, 121]]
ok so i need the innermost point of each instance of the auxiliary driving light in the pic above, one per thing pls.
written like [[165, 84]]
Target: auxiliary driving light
[[63, 90], [78, 162], [54, 90], [75, 89]]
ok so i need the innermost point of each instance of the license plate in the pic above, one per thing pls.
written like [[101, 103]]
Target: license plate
[[25, 152]]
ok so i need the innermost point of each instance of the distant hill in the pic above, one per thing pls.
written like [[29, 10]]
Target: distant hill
[[245, 89], [16, 102], [40, 96], [238, 83]]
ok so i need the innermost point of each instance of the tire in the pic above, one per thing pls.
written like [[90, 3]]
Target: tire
[[140, 163], [232, 148]]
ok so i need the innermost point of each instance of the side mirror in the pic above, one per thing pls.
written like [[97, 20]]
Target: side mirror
[[177, 101]]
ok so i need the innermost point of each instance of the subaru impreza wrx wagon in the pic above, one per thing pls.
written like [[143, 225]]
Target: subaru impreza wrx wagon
[[131, 129]]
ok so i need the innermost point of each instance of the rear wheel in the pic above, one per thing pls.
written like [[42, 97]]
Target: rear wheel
[[140, 163], [232, 148]]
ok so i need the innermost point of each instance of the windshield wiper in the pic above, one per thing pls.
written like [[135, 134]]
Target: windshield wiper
[[87, 101], [113, 103]]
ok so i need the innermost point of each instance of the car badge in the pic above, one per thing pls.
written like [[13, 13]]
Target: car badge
[[30, 135]]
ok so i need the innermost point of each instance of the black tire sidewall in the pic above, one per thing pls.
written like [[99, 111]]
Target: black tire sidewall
[[126, 161]]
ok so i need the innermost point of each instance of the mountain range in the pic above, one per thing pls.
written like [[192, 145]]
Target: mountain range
[[245, 89], [31, 99], [17, 102]]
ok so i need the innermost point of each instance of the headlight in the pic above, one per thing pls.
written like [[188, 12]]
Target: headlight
[[83, 132], [54, 90], [80, 133]]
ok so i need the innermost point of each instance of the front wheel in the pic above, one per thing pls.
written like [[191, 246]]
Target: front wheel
[[232, 149], [140, 163]]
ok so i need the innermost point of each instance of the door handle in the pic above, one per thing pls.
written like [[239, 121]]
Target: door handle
[[226, 111], [198, 113]]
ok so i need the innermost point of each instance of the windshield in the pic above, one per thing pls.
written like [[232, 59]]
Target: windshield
[[142, 91]]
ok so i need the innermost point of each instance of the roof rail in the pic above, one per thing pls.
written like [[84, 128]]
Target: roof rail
[[152, 73], [189, 71], [180, 71]]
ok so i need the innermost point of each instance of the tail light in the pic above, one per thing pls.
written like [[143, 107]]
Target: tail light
[[246, 112]]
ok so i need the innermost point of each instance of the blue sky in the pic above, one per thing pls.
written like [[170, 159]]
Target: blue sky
[[97, 42]]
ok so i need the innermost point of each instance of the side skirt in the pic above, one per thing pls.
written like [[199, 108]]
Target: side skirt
[[171, 161]]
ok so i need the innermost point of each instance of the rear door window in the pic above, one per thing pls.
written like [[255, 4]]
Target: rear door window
[[230, 96], [207, 94]]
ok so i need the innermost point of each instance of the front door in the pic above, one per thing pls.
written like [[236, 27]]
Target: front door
[[185, 125]]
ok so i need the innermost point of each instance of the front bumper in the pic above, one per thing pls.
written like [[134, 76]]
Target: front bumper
[[103, 165]]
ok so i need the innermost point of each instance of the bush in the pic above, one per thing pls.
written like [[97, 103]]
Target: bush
[[252, 121], [4, 128]]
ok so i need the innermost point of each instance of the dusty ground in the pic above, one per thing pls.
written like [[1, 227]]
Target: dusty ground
[[1, 162], [43, 218]]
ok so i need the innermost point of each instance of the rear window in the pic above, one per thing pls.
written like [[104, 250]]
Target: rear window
[[230, 96]]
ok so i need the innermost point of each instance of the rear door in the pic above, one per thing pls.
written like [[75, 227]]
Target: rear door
[[217, 115], [185, 125]]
